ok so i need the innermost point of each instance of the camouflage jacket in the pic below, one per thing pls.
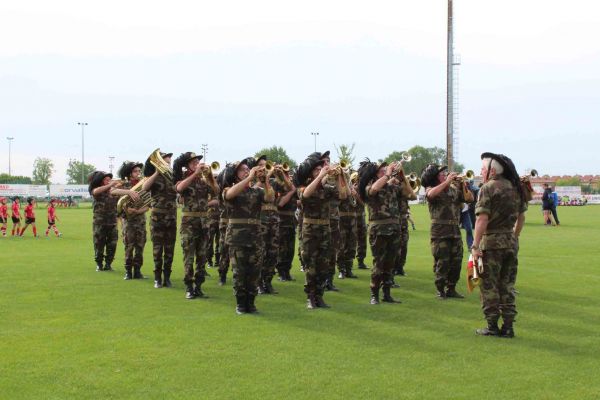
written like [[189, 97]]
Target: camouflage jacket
[[164, 195], [133, 219], [318, 205], [269, 213], [223, 212], [385, 206], [287, 213], [105, 209], [346, 207], [196, 196], [246, 206], [444, 210], [500, 200]]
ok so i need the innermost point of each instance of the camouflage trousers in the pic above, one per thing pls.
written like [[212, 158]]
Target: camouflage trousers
[[347, 248], [300, 223], [134, 240], [287, 243], [194, 241], [403, 245], [246, 270], [498, 282], [223, 250], [316, 244], [213, 248], [163, 232], [334, 246], [361, 237], [447, 256], [105, 238], [269, 246], [385, 250]]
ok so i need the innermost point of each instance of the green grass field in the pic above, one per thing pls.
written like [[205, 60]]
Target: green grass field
[[67, 331]]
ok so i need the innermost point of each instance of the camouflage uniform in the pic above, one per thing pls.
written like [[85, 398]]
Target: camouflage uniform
[[242, 233], [334, 224], [105, 231], [134, 238], [361, 233], [163, 226], [287, 237], [194, 232], [501, 202], [213, 235], [300, 224], [384, 233], [316, 238], [347, 248], [446, 241], [403, 246], [269, 240], [223, 246]]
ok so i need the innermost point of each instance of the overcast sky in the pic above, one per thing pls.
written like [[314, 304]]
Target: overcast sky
[[242, 75]]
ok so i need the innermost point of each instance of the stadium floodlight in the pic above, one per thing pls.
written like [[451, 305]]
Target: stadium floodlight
[[10, 139], [83, 125], [315, 134]]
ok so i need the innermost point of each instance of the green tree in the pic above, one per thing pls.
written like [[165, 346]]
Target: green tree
[[14, 179], [573, 181], [277, 154], [42, 171], [74, 172], [346, 153], [421, 157]]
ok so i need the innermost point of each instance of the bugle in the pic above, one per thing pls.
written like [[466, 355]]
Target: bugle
[[161, 165]]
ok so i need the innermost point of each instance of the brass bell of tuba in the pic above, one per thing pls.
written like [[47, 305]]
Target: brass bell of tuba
[[161, 165]]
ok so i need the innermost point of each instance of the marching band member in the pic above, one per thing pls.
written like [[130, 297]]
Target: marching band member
[[195, 185], [133, 223], [287, 205], [223, 222], [500, 214], [382, 198], [316, 192], [445, 196], [163, 220], [347, 221], [104, 191], [243, 231]]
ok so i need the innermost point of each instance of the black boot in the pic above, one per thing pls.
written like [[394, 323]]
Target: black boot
[[222, 278], [260, 288], [167, 280], [491, 329], [108, 267], [342, 275], [320, 302], [198, 291], [137, 273], [329, 286], [128, 275], [99, 267], [311, 302], [362, 265], [350, 274], [251, 308], [441, 293], [240, 307], [374, 295], [190, 294], [157, 279], [387, 296], [451, 292], [507, 330], [269, 289], [289, 276], [394, 284]]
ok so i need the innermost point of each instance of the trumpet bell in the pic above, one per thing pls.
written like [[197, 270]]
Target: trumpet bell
[[215, 166], [406, 157], [534, 172], [269, 166], [285, 167], [470, 174]]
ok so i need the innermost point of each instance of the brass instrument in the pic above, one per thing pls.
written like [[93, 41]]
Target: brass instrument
[[354, 178], [126, 202], [474, 274], [215, 166], [161, 165], [285, 167], [469, 175], [414, 182], [526, 184], [406, 157]]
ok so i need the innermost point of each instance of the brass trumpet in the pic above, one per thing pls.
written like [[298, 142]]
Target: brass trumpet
[[354, 178], [415, 182], [466, 176], [215, 166]]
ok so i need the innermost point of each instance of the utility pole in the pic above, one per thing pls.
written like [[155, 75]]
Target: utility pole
[[83, 125], [315, 134], [204, 150], [111, 160], [450, 91], [10, 139]]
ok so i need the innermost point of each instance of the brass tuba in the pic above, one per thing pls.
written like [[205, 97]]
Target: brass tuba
[[126, 202], [161, 165]]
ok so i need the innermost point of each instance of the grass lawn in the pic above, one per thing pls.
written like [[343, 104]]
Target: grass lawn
[[67, 331]]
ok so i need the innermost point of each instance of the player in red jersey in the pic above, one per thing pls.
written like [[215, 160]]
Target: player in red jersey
[[30, 217], [52, 218], [3, 215], [16, 216]]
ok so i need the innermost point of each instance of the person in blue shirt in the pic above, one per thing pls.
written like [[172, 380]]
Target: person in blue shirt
[[553, 207]]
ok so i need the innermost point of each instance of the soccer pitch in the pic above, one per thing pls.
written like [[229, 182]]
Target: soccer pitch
[[70, 332]]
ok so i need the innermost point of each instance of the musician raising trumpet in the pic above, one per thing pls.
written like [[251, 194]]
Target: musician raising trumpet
[[445, 193]]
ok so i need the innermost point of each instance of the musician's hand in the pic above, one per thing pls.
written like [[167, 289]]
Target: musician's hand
[[476, 253], [451, 176], [134, 195], [324, 171], [389, 170], [253, 172], [115, 184]]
